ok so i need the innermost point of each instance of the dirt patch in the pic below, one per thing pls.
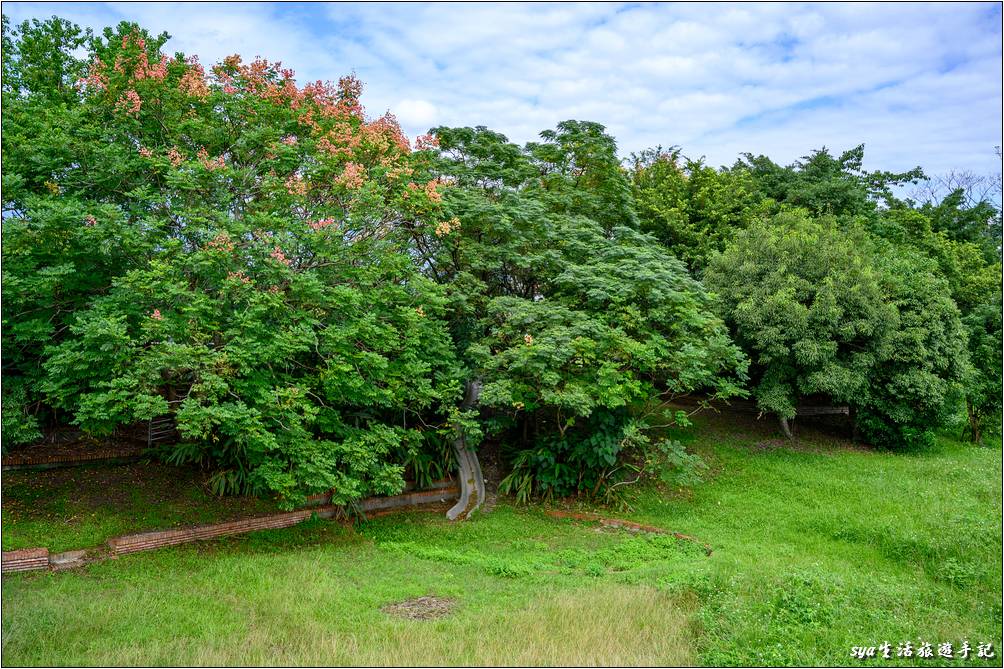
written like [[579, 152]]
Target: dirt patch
[[772, 444], [421, 608], [628, 525]]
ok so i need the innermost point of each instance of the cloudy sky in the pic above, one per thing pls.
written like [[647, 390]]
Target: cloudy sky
[[917, 83]]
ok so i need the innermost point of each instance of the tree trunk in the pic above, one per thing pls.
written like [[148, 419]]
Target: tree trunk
[[785, 428], [974, 422], [472, 482]]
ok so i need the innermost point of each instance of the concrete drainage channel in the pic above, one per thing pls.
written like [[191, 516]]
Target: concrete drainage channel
[[33, 559]]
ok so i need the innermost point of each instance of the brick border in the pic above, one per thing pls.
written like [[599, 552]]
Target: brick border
[[25, 559], [30, 559], [110, 456]]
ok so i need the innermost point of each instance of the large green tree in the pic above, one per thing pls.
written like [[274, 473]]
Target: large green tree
[[823, 310], [224, 247], [574, 320]]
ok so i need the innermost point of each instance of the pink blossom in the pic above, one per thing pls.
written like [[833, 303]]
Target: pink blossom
[[295, 185], [352, 177], [89, 220], [156, 315], [193, 82], [385, 132], [431, 192], [129, 103], [216, 163], [279, 256], [446, 227], [350, 87], [423, 142], [289, 140], [96, 76], [221, 242], [322, 223], [239, 276], [175, 156], [145, 152]]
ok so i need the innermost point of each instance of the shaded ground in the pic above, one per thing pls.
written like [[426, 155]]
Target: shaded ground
[[81, 507]]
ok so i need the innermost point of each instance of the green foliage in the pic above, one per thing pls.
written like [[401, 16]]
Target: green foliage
[[824, 312], [244, 277], [690, 207], [918, 378], [307, 296], [984, 387], [825, 184], [19, 426], [806, 303], [573, 319]]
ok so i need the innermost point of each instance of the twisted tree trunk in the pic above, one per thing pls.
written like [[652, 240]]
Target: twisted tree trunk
[[472, 482]]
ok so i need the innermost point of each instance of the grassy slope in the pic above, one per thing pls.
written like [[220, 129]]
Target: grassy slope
[[822, 549], [815, 550]]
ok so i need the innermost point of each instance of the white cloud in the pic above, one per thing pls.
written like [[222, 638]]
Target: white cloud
[[918, 83], [416, 113]]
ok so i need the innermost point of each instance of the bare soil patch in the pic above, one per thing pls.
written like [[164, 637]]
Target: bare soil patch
[[421, 608]]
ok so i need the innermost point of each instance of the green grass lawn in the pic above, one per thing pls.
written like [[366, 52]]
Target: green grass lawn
[[816, 549]]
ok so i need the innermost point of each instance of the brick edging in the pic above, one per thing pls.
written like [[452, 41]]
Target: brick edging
[[25, 559], [30, 559], [110, 456]]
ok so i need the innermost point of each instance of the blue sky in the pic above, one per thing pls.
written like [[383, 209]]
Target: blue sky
[[917, 83]]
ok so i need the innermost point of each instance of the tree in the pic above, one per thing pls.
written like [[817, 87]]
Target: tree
[[984, 388], [573, 320], [804, 302], [821, 310], [226, 249], [692, 208], [825, 184]]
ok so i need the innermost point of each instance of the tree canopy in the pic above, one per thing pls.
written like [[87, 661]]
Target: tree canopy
[[308, 293]]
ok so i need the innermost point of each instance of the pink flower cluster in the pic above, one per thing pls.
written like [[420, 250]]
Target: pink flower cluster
[[145, 152], [90, 221], [446, 227], [129, 102], [350, 87], [239, 276], [175, 156], [193, 82], [322, 223], [341, 139], [385, 132], [221, 242], [96, 76], [156, 315], [279, 256], [352, 177], [216, 163], [431, 192], [395, 173], [424, 142], [289, 140], [139, 64], [296, 186]]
